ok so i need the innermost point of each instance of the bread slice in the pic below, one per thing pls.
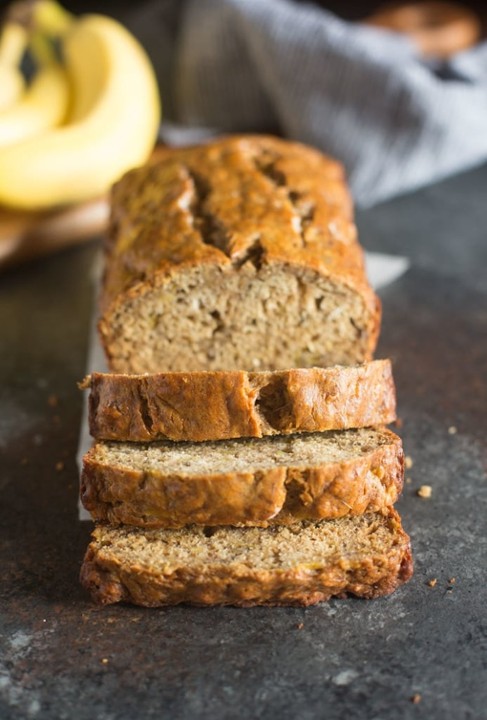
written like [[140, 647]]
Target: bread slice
[[240, 254], [221, 405], [301, 564], [281, 478]]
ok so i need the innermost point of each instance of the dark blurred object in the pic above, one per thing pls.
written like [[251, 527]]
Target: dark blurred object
[[348, 9], [439, 29]]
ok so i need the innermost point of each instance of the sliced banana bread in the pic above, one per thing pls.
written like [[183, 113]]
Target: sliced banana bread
[[281, 478], [301, 564], [230, 404], [239, 254]]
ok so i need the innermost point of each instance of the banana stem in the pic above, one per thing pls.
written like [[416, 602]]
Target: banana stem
[[51, 18]]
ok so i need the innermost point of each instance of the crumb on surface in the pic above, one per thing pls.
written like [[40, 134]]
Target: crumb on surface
[[408, 462], [52, 401], [408, 481], [452, 430], [300, 626], [59, 466], [424, 491], [104, 661], [452, 581], [432, 582], [416, 698]]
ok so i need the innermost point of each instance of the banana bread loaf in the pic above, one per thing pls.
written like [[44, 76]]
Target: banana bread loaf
[[237, 255], [280, 479], [230, 404], [301, 564]]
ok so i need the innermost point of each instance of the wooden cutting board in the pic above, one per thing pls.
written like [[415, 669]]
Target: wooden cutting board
[[24, 236]]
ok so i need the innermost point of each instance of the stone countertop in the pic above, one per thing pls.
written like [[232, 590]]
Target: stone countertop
[[62, 657]]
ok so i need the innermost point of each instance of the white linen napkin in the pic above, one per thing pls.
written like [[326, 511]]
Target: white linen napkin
[[361, 94]]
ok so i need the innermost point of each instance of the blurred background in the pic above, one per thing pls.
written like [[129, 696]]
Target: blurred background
[[347, 9], [396, 92]]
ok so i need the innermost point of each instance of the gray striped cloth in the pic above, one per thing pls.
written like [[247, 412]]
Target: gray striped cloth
[[361, 94]]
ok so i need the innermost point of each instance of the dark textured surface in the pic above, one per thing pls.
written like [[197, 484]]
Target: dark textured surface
[[61, 657]]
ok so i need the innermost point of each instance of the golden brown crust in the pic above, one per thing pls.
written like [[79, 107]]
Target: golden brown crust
[[202, 406], [369, 575], [153, 228], [372, 481], [223, 203]]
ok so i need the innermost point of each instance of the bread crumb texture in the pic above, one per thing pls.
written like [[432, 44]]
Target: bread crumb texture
[[277, 479], [368, 555], [217, 457], [239, 254]]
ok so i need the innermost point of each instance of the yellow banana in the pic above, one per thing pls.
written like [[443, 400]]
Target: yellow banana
[[115, 129], [43, 105], [11, 86], [13, 41]]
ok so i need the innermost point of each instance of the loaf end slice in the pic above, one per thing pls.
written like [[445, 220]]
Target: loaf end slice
[[304, 564], [277, 479], [200, 406], [238, 254]]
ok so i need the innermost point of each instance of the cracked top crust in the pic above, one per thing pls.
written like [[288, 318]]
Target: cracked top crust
[[240, 254], [240, 199]]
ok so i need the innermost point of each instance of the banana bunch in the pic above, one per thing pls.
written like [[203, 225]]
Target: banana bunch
[[84, 119]]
